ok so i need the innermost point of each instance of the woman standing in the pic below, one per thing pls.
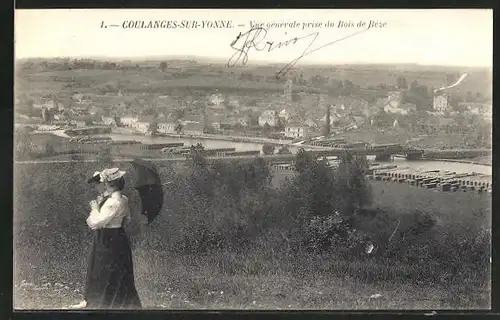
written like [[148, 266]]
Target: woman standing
[[110, 280]]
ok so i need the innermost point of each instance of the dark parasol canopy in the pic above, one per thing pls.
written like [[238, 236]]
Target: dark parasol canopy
[[149, 186]]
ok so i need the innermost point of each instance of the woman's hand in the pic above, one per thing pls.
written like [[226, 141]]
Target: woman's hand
[[100, 198], [94, 205]]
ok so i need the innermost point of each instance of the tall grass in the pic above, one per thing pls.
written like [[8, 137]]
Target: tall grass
[[226, 228]]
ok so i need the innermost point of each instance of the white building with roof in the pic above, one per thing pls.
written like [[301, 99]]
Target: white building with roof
[[129, 120], [441, 103], [296, 130], [270, 117]]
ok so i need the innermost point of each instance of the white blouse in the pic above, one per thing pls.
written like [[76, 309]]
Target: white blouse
[[114, 213]]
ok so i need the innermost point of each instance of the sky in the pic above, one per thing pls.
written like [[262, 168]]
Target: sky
[[448, 37]]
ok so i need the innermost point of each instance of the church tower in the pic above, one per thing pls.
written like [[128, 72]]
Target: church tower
[[288, 92]]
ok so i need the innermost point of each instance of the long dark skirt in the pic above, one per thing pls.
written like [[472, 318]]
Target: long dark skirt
[[110, 280]]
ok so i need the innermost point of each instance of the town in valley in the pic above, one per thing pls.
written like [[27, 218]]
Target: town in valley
[[333, 187], [365, 103]]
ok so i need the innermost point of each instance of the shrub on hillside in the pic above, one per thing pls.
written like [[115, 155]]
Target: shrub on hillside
[[458, 252], [318, 202], [218, 204], [331, 233], [454, 257], [353, 187]]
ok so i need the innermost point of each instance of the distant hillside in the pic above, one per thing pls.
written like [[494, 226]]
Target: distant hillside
[[480, 81], [143, 76], [139, 81]]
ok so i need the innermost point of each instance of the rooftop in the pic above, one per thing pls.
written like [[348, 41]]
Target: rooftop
[[295, 124], [129, 116], [147, 119], [194, 126]]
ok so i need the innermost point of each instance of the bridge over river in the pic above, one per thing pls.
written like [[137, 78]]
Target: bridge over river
[[383, 152], [119, 150]]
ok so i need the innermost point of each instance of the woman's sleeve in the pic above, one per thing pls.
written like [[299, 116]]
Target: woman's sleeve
[[99, 218], [127, 219]]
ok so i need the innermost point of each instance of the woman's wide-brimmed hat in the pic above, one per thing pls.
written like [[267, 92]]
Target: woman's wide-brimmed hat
[[107, 175]]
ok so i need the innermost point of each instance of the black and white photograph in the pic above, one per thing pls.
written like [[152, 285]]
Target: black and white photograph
[[230, 159]]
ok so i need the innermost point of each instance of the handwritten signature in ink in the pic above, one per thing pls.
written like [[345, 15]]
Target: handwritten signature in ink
[[256, 38]]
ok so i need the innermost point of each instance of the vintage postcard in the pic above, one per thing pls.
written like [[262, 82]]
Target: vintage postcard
[[253, 159]]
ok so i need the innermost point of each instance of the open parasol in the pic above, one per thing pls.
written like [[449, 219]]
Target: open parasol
[[149, 186]]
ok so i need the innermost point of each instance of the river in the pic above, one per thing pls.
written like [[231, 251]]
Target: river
[[207, 143], [441, 165], [249, 146]]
